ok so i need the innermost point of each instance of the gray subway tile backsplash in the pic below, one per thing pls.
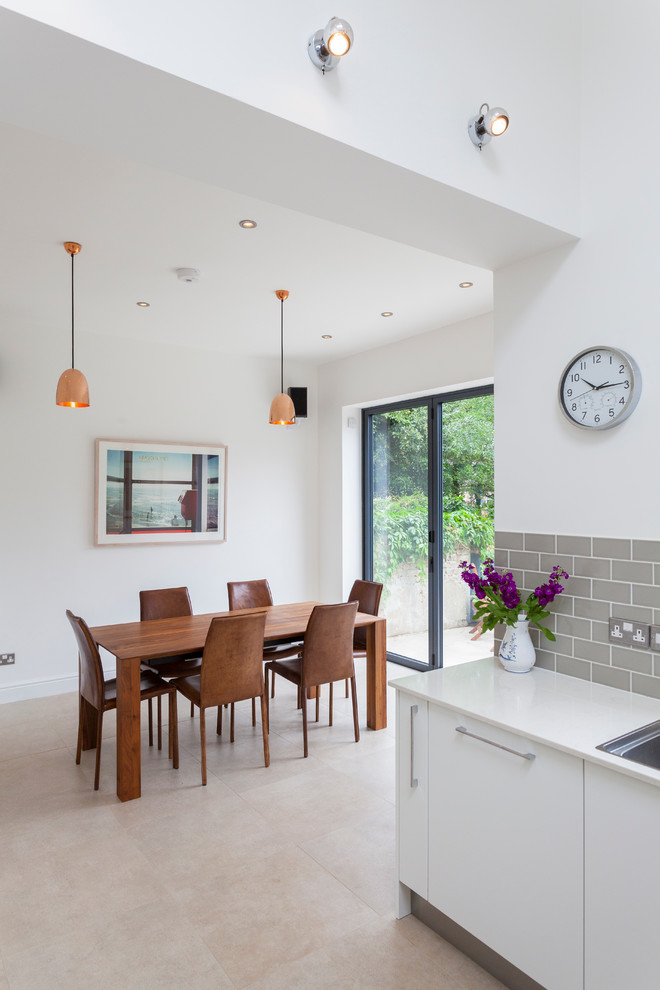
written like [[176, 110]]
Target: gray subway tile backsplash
[[633, 571], [609, 577], [543, 542], [605, 547], [574, 545], [646, 550]]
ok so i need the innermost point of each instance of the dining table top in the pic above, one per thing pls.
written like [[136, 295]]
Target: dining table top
[[184, 634]]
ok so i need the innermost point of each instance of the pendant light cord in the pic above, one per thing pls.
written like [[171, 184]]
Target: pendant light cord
[[281, 345], [73, 364]]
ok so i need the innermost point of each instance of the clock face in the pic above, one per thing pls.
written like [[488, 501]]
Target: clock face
[[599, 388]]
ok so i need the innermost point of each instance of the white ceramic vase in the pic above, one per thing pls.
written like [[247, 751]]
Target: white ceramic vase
[[517, 652]]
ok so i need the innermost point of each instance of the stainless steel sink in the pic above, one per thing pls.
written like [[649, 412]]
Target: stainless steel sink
[[641, 745]]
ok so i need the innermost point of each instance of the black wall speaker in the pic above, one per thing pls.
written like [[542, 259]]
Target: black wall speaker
[[299, 398]]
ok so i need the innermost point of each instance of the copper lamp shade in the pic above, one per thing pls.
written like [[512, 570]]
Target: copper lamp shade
[[282, 412], [72, 388]]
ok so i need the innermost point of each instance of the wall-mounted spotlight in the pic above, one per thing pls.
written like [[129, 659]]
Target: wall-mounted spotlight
[[329, 44], [487, 124]]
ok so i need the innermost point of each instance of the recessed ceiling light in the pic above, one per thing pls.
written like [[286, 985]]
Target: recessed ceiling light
[[143, 304], [465, 285], [387, 313], [247, 224], [326, 336]]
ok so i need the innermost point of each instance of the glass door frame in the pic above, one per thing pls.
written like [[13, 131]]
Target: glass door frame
[[434, 404]]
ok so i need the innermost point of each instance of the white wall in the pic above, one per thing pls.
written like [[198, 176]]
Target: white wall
[[417, 73], [139, 392], [454, 356], [551, 476]]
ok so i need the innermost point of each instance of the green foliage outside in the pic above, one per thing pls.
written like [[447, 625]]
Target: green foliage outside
[[400, 504]]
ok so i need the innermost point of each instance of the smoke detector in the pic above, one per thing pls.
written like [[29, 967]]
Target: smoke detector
[[188, 274]]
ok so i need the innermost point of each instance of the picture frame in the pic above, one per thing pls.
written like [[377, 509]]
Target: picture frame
[[153, 492]]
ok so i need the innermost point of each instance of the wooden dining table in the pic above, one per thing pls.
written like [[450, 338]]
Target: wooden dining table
[[134, 642]]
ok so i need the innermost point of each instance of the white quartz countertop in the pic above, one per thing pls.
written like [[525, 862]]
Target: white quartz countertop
[[564, 712]]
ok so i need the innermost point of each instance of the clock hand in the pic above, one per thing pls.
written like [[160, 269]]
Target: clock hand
[[610, 384], [589, 383]]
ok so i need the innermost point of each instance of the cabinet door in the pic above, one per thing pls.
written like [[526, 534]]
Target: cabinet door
[[506, 845], [622, 881], [412, 793]]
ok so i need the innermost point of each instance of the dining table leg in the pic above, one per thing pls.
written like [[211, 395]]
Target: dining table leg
[[376, 675], [128, 729]]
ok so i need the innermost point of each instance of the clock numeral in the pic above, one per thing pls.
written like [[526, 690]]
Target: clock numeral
[[610, 413], [596, 418], [569, 392], [626, 384], [584, 415], [574, 406], [597, 358], [575, 378], [583, 365], [622, 369], [622, 401]]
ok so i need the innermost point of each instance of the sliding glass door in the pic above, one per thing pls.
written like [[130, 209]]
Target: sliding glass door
[[428, 505]]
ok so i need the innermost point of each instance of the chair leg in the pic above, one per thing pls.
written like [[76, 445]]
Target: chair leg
[[218, 727], [347, 687], [170, 727], [151, 723], [264, 730], [331, 701], [304, 720], [80, 733], [99, 733], [254, 713], [231, 724], [174, 731], [355, 709], [160, 724], [267, 672], [272, 688], [202, 732], [318, 699], [192, 710]]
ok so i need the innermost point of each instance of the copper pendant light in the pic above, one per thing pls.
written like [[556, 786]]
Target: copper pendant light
[[282, 412], [72, 388]]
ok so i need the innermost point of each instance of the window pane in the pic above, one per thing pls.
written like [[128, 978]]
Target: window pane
[[468, 518], [400, 527]]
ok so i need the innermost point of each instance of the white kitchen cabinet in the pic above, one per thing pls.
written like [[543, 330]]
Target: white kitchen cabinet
[[412, 796], [506, 845], [622, 881]]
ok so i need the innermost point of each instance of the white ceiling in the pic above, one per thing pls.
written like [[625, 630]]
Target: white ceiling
[[137, 224], [150, 173]]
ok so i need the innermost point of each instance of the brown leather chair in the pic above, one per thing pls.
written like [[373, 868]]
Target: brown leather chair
[[367, 595], [169, 603], [257, 594], [232, 670], [101, 694], [327, 656]]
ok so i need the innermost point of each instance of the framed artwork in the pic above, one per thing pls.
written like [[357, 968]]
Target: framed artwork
[[160, 493]]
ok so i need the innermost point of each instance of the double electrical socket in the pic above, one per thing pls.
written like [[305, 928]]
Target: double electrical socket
[[627, 632], [7, 658]]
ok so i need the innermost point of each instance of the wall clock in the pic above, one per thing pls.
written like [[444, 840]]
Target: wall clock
[[599, 388]]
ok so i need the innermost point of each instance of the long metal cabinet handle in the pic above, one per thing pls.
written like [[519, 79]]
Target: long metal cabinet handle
[[414, 782], [525, 756]]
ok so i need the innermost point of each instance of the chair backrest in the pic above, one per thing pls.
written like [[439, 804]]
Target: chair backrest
[[165, 603], [327, 653], [248, 594], [92, 685], [367, 595], [232, 662]]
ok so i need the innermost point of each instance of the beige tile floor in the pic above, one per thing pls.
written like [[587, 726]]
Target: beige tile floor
[[279, 877]]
